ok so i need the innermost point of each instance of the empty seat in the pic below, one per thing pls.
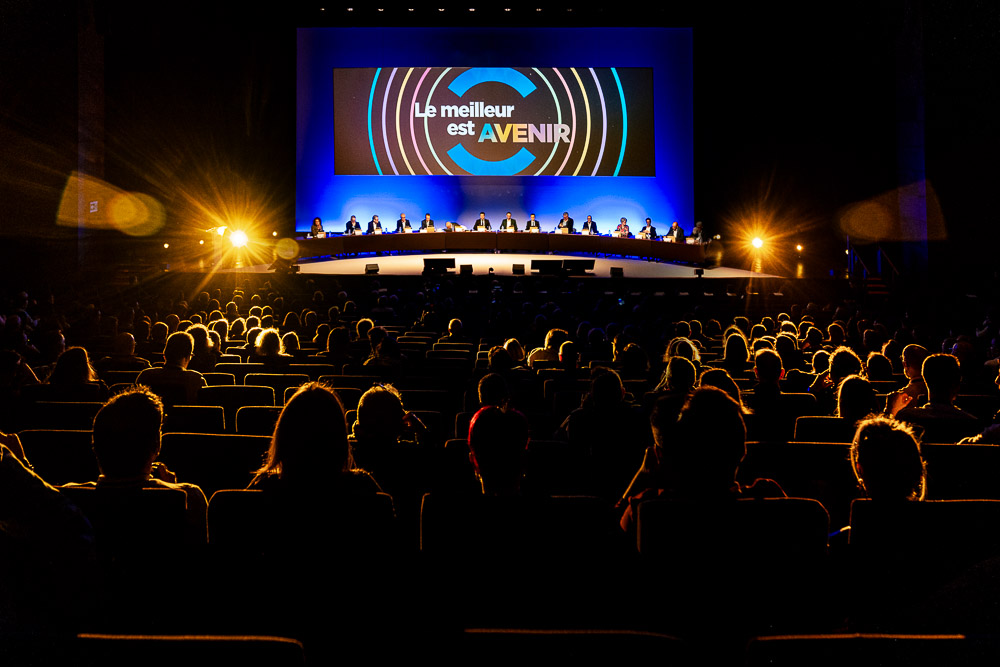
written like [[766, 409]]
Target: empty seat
[[119, 377], [61, 457], [824, 429], [215, 378], [314, 371], [57, 415], [863, 649], [213, 461], [277, 381], [194, 419], [246, 521], [155, 650], [233, 398], [240, 370], [257, 419]]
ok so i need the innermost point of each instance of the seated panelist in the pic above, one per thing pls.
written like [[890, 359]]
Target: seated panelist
[[427, 223], [533, 224], [482, 223], [353, 226], [675, 233], [622, 228], [565, 223], [374, 225], [402, 224], [649, 231], [317, 227], [590, 226], [508, 224]]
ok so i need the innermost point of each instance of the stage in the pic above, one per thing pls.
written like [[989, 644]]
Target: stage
[[502, 265]]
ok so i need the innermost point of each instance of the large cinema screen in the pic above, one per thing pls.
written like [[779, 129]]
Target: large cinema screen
[[452, 122]]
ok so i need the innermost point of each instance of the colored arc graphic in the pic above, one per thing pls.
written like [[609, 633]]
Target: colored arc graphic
[[476, 75], [460, 85], [480, 167]]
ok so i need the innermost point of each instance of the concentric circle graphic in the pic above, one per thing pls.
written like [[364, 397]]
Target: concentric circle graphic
[[494, 121]]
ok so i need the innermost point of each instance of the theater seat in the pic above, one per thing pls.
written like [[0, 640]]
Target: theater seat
[[172, 650], [61, 457], [213, 461], [864, 649], [257, 419], [233, 398], [194, 419]]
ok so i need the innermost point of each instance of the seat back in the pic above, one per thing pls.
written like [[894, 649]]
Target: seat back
[[214, 461], [233, 398], [248, 651], [257, 419], [194, 419], [823, 429], [62, 415], [61, 457]]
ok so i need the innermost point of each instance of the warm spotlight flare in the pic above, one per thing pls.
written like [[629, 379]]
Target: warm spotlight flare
[[909, 213], [757, 242], [238, 238], [286, 249], [90, 203], [798, 248]]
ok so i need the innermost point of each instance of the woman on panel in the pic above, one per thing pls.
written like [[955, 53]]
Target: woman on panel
[[622, 228]]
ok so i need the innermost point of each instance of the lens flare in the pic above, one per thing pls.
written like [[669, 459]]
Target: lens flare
[[287, 249], [238, 238]]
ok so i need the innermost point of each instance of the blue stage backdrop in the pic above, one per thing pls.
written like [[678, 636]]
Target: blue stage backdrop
[[452, 122]]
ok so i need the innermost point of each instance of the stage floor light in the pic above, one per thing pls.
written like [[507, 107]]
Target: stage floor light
[[757, 242], [238, 238]]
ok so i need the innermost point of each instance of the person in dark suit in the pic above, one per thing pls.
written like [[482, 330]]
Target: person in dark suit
[[622, 228], [590, 226], [481, 223], [402, 223], [533, 224], [427, 223], [649, 230], [508, 223], [676, 233], [566, 223], [698, 233], [374, 224], [353, 226]]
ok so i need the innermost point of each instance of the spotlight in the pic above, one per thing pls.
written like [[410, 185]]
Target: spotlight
[[757, 242], [238, 238], [166, 245], [274, 233], [798, 248], [201, 242]]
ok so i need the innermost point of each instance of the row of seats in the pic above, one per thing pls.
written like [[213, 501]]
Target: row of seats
[[508, 645]]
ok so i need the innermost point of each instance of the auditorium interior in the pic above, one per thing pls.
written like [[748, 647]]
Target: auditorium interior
[[746, 418]]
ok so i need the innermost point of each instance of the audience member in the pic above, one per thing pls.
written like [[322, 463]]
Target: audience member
[[174, 383]]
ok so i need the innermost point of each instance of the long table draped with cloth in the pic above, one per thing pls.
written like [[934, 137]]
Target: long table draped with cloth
[[489, 241]]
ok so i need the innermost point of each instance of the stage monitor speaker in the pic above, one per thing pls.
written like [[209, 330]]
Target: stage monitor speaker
[[617, 272], [438, 265], [699, 273], [465, 269], [518, 269], [547, 267], [578, 267], [371, 269]]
